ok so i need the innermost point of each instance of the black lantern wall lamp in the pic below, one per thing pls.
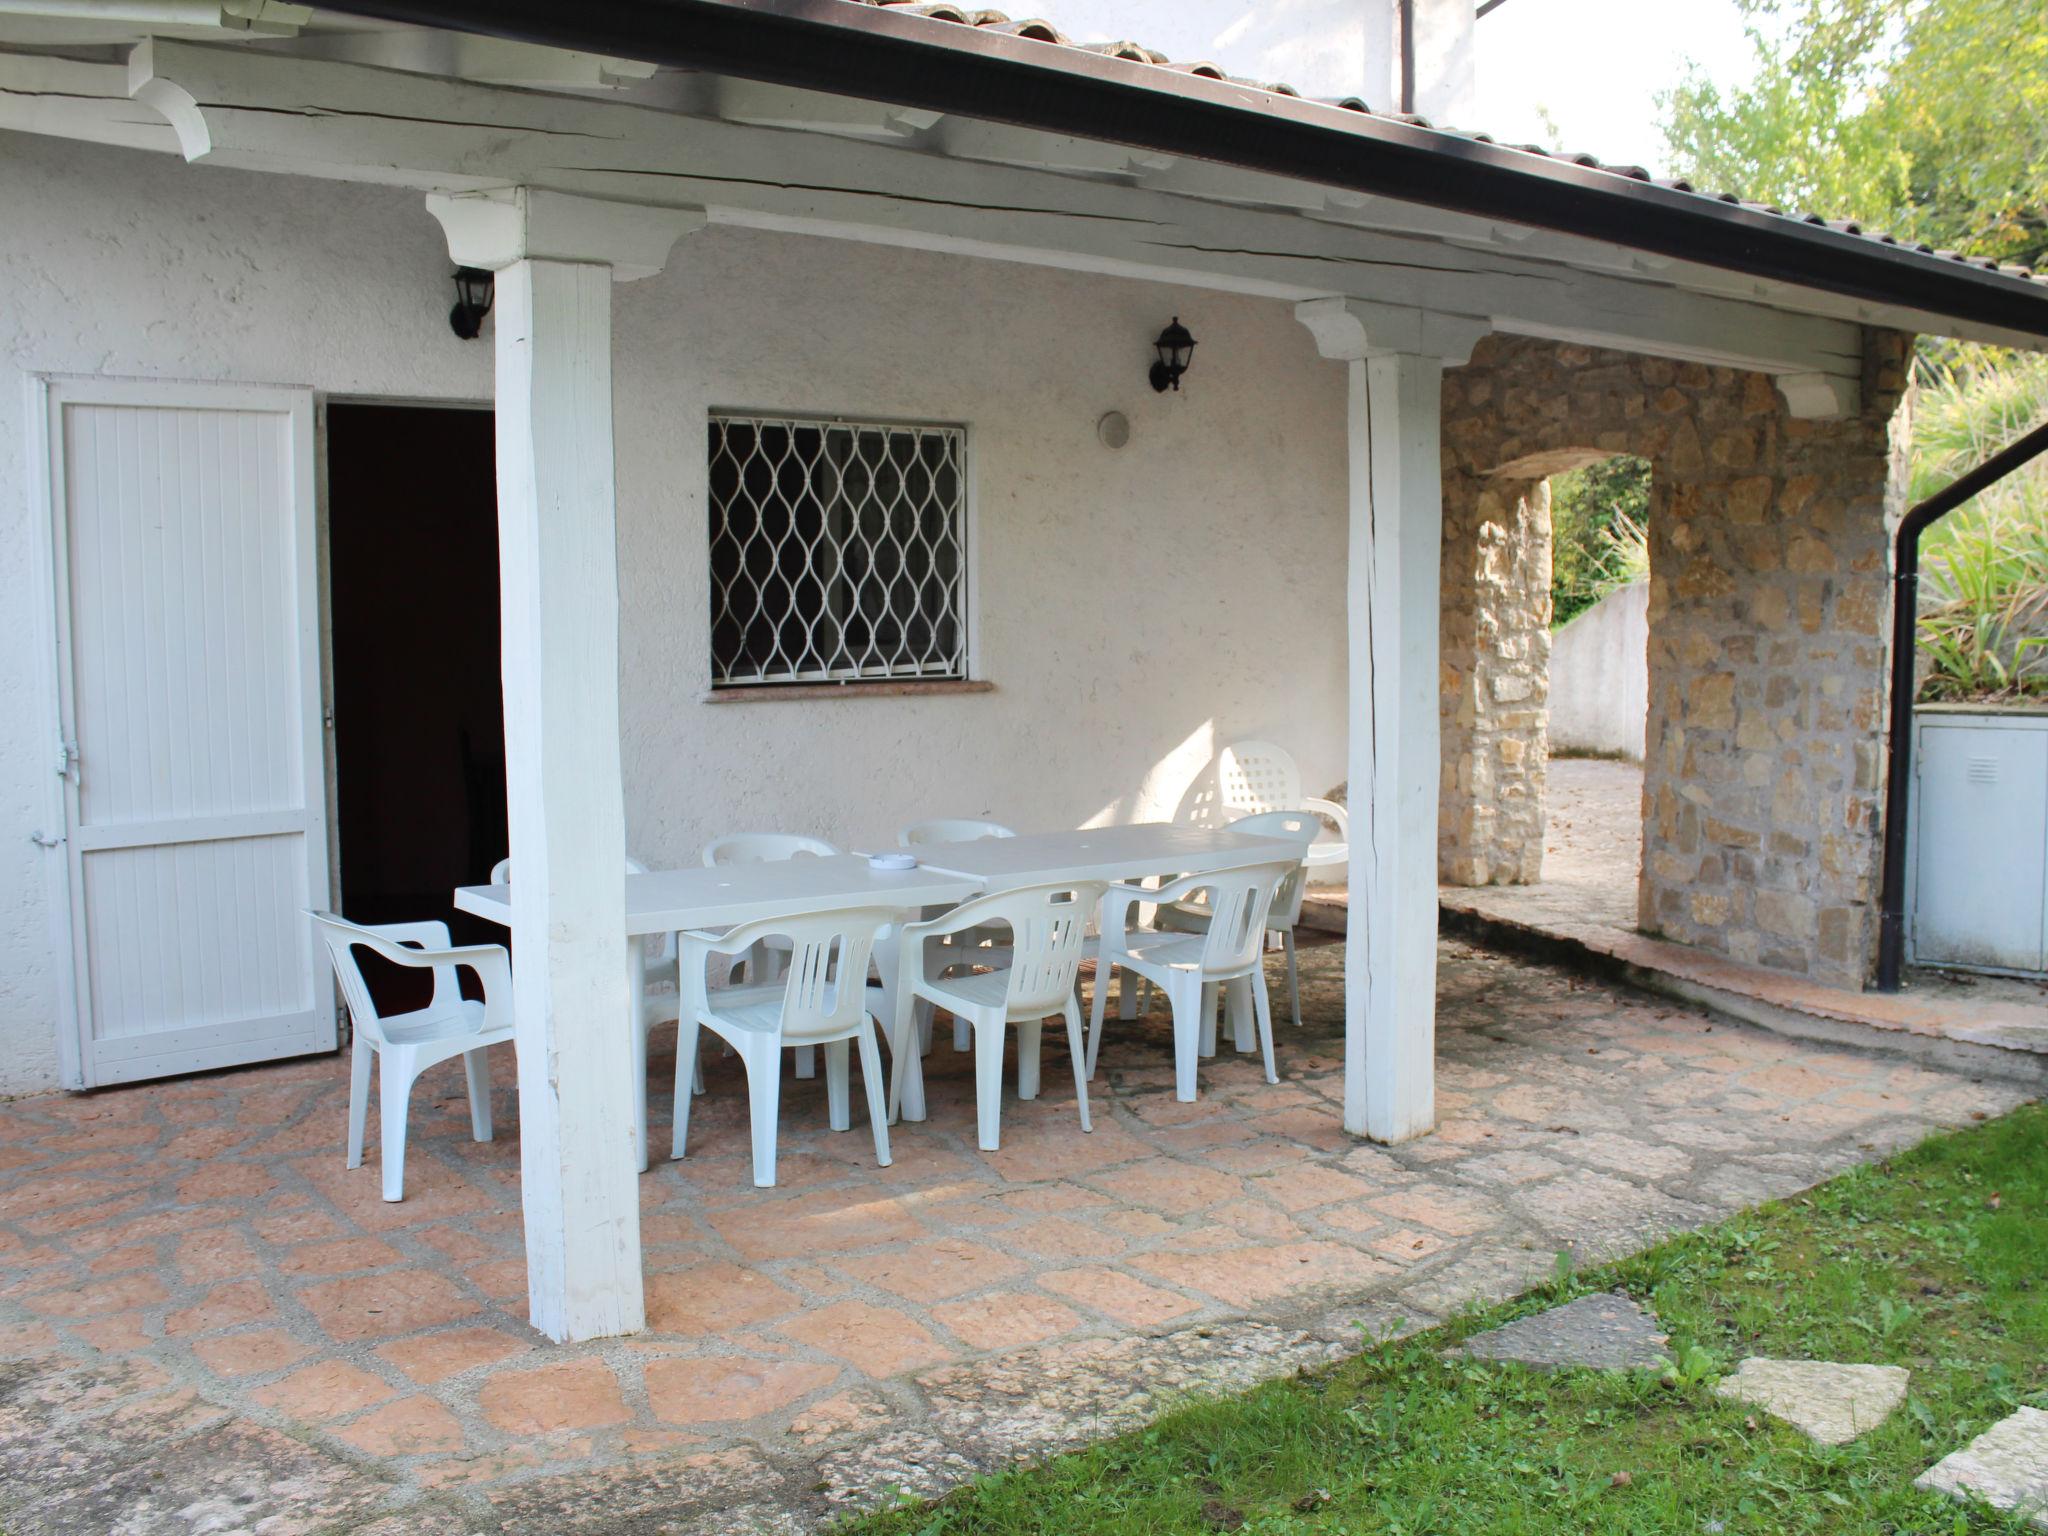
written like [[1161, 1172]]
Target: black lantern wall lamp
[[473, 292], [1176, 350]]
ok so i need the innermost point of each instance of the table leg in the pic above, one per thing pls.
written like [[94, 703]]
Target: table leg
[[636, 1007]]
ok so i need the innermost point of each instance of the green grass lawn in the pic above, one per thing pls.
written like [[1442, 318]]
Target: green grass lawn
[[1936, 1259]]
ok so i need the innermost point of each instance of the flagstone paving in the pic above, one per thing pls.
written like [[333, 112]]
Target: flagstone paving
[[1831, 1403], [1601, 1333], [208, 1323], [2006, 1467]]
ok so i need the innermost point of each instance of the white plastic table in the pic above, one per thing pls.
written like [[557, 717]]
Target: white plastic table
[[1134, 851], [670, 900]]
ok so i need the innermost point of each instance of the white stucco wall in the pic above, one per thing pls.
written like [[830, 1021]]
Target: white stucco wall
[[1600, 676], [1136, 608]]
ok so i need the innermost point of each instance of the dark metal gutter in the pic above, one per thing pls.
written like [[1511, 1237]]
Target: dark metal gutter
[[1891, 933], [909, 60]]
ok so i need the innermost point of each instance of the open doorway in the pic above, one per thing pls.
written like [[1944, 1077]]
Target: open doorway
[[419, 723], [1598, 686]]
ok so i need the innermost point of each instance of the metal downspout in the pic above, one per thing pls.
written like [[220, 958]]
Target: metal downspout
[[1891, 933]]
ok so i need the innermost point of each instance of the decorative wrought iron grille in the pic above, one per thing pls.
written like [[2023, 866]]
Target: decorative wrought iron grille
[[838, 550]]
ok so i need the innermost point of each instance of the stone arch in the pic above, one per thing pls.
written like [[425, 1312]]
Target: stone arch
[[1769, 543]]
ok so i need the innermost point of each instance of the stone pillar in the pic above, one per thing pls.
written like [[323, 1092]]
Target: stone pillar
[[1770, 542], [1496, 676]]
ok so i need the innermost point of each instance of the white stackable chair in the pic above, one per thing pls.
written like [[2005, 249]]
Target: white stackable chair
[[822, 999], [1046, 927], [1292, 826], [1257, 776], [767, 848], [655, 960], [952, 829], [1190, 967], [409, 1043]]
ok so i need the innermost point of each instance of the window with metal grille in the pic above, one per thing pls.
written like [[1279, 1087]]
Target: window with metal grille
[[838, 550]]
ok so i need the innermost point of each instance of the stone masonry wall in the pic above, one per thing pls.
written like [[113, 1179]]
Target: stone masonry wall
[[1769, 560]]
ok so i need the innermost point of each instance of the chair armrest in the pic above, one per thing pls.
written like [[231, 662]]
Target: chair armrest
[[1334, 811], [493, 967], [430, 933]]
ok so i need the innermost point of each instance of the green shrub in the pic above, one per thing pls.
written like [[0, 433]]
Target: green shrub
[[1599, 519], [1983, 626]]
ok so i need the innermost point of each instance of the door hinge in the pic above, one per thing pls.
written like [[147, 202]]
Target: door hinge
[[67, 760]]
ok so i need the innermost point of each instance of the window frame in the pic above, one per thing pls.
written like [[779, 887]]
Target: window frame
[[966, 589]]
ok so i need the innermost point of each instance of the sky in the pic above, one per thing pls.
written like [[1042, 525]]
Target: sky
[[1595, 65]]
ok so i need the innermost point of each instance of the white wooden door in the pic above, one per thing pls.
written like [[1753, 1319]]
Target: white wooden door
[[189, 703]]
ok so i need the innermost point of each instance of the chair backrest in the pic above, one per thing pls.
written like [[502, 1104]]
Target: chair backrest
[[950, 829], [501, 874], [1240, 902], [824, 990], [764, 848], [1048, 933], [400, 943], [1257, 776], [1286, 826]]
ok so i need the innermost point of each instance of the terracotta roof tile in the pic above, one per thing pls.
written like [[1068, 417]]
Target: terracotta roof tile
[[1042, 31]]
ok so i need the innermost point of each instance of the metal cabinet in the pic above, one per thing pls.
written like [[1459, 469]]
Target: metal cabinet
[[1979, 890]]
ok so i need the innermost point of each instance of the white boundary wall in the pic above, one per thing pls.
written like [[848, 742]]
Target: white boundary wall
[[1134, 609], [1600, 676]]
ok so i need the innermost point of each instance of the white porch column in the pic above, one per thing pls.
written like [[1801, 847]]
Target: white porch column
[[556, 258], [1395, 359]]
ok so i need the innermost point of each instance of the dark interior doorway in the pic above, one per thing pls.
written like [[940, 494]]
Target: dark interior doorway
[[419, 718]]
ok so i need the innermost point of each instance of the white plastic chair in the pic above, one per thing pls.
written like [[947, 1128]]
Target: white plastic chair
[[1047, 929], [1190, 967], [821, 1000], [654, 958], [1292, 826], [952, 829], [1253, 777], [767, 848], [409, 1043]]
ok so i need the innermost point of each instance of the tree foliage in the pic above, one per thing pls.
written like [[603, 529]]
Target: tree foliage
[[1598, 538], [1925, 118]]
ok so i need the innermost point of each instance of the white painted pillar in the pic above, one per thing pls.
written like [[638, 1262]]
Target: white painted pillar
[[556, 259], [1395, 359]]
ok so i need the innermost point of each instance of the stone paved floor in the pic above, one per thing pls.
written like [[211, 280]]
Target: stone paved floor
[[207, 1324], [1592, 848], [1586, 902]]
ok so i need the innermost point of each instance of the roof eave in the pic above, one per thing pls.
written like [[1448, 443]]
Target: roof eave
[[908, 60]]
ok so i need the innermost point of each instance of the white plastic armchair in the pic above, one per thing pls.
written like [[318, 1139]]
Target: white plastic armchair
[[654, 981], [406, 1044], [953, 829], [768, 848], [1257, 776], [950, 829], [822, 1000], [1300, 827], [1046, 928], [1189, 968], [655, 956]]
